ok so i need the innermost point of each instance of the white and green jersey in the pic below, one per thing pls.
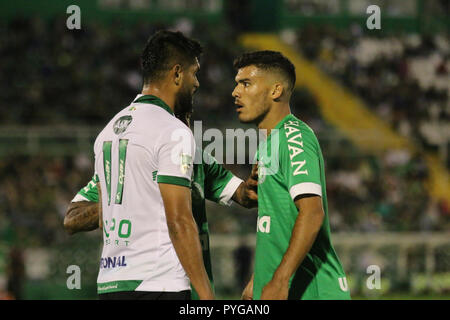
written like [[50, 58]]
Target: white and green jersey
[[144, 144], [211, 181], [290, 164], [89, 192]]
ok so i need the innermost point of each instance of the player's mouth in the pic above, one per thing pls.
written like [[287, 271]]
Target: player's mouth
[[239, 106]]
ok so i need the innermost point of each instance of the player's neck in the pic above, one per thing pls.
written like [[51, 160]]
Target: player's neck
[[161, 92], [274, 116]]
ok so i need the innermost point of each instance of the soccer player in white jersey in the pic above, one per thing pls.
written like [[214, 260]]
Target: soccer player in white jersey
[[211, 181], [151, 245]]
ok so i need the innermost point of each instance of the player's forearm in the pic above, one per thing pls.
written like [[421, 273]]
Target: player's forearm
[[247, 294], [245, 197], [184, 236], [81, 216], [304, 233]]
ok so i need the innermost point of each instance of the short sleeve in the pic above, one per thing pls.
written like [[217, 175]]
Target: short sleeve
[[300, 160], [175, 153], [89, 192], [220, 184]]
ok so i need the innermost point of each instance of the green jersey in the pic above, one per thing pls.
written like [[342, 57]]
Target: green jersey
[[211, 181], [290, 164]]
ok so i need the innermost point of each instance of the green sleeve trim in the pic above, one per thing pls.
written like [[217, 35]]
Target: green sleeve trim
[[174, 180], [91, 196], [90, 191]]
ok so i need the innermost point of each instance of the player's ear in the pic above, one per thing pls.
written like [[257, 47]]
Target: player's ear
[[177, 74], [277, 91]]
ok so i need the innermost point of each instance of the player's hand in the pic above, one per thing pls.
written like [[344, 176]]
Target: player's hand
[[247, 293], [251, 188], [275, 290], [252, 183], [247, 192]]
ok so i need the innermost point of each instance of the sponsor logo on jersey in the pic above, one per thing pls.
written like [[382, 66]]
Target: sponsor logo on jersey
[[295, 146], [186, 162], [122, 124], [263, 224], [112, 262]]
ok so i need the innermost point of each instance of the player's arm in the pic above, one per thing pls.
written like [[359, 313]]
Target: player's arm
[[175, 169], [183, 233], [247, 293], [81, 216], [307, 225], [246, 194], [83, 212], [222, 186]]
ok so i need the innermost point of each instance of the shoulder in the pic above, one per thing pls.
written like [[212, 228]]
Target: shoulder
[[154, 125], [174, 130], [295, 132]]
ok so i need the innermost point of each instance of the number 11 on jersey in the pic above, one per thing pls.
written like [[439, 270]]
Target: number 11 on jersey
[[107, 146]]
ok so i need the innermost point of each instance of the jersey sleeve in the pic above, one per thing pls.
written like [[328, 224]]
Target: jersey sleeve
[[175, 154], [220, 184], [300, 162], [89, 192]]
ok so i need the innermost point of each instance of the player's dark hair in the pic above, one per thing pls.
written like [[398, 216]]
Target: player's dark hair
[[268, 60], [165, 49]]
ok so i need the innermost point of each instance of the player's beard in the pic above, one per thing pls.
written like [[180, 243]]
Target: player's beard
[[185, 118], [256, 113], [183, 103]]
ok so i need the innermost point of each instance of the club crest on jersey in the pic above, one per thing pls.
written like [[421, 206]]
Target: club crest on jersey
[[122, 124], [186, 162]]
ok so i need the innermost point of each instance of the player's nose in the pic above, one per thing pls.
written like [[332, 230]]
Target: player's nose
[[234, 94], [196, 86]]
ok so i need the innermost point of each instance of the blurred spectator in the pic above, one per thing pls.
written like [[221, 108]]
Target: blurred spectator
[[404, 79]]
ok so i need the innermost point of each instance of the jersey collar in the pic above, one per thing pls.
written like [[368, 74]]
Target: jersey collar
[[280, 124], [153, 100]]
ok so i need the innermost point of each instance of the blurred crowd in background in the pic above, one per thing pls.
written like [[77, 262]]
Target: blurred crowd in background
[[402, 78], [85, 76], [53, 77]]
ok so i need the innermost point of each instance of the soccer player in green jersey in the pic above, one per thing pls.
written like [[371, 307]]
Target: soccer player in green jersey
[[294, 257], [211, 181]]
